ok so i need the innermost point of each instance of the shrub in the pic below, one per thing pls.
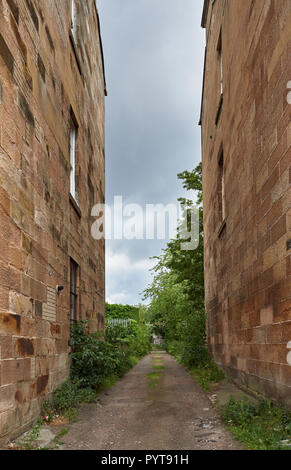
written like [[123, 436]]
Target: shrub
[[139, 339], [66, 396], [65, 400], [92, 358], [134, 338]]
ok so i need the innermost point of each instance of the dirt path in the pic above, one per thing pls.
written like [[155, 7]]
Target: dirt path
[[156, 406]]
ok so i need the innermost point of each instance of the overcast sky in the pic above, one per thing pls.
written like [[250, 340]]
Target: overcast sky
[[154, 53]]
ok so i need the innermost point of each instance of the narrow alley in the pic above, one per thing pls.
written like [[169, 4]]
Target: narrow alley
[[145, 228], [155, 406]]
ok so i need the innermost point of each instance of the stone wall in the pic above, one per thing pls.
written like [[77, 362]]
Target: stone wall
[[246, 144], [50, 70]]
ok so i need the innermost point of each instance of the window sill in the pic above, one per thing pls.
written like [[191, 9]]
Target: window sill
[[222, 228], [219, 109], [75, 206]]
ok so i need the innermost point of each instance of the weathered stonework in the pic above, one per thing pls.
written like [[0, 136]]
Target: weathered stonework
[[50, 70], [246, 146]]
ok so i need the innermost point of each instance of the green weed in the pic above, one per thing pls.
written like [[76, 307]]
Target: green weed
[[31, 437], [154, 378], [261, 426]]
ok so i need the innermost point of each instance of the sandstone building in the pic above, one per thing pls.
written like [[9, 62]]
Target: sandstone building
[[246, 146], [52, 90]]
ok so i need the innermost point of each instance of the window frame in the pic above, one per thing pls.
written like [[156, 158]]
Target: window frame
[[221, 77], [73, 15], [221, 191], [220, 56], [73, 33]]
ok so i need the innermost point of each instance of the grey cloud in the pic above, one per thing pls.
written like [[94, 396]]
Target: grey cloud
[[154, 51]]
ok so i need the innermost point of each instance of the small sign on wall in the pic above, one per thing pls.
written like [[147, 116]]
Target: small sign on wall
[[50, 308]]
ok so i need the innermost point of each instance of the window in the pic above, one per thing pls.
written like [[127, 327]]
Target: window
[[220, 85], [74, 269], [73, 15], [221, 186], [219, 50], [73, 140], [75, 33]]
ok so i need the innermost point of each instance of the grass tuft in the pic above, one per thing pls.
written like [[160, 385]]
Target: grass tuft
[[207, 375], [261, 426], [154, 378]]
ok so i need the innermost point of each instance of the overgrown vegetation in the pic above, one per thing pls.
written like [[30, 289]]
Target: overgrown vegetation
[[261, 426], [30, 437], [207, 375], [97, 362]]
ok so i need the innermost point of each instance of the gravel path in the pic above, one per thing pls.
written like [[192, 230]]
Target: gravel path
[[156, 406]]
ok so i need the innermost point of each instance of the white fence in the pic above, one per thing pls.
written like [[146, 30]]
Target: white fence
[[118, 321]]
